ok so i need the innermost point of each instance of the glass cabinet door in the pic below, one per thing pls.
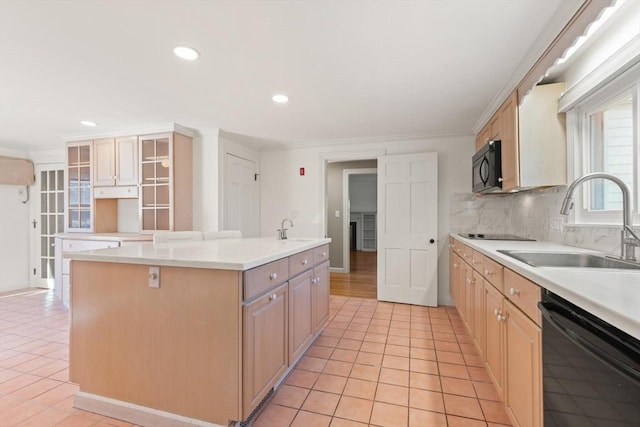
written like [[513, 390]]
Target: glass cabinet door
[[79, 203], [155, 167]]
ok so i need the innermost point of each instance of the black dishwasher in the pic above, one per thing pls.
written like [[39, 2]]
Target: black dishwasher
[[591, 370]]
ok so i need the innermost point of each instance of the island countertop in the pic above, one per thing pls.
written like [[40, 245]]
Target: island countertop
[[224, 254]]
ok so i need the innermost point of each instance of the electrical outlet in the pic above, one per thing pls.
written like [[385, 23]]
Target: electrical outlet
[[154, 277], [337, 214], [556, 224]]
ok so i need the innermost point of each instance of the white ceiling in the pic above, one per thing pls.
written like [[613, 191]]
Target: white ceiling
[[352, 69]]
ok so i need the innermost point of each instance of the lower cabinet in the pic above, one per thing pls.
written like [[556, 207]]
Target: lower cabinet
[[494, 335], [265, 350], [499, 308], [524, 376], [301, 325], [320, 296]]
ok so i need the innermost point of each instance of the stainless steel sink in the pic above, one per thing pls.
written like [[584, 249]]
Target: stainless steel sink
[[568, 259]]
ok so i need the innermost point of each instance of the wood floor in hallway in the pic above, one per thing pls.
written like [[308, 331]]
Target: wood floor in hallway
[[361, 282]]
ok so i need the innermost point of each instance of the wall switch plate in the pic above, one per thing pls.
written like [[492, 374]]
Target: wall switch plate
[[337, 214], [154, 277]]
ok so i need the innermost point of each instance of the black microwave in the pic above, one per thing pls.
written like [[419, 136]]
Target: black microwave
[[487, 169]]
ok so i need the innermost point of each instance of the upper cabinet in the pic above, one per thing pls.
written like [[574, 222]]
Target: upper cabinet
[[154, 170], [533, 139], [78, 196], [166, 165], [115, 168]]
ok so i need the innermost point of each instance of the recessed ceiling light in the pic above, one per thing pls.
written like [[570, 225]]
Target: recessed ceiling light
[[280, 99], [88, 123], [188, 53]]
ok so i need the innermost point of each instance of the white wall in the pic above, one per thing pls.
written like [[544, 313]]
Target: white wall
[[14, 233], [363, 193], [205, 181], [285, 193]]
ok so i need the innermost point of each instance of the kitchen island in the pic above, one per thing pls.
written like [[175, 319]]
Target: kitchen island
[[192, 333]]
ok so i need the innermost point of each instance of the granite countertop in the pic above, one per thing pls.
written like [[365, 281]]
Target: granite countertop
[[111, 237], [610, 294], [225, 254]]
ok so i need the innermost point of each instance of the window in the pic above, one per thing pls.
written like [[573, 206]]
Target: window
[[606, 140]]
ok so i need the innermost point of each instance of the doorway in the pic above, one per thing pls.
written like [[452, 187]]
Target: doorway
[[351, 224], [47, 213], [241, 196]]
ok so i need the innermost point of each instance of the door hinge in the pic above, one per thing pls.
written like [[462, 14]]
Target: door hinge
[[34, 271], [255, 176], [34, 222]]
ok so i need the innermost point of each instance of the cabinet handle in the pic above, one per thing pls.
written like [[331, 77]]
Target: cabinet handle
[[474, 262], [488, 273], [500, 180], [501, 318], [455, 264], [304, 262], [273, 276], [514, 291], [496, 311], [317, 280], [273, 297], [324, 254]]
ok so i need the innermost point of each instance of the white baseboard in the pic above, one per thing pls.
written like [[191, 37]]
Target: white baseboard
[[135, 414]]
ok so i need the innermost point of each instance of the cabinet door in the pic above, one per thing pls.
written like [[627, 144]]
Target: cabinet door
[[494, 335], [104, 162], [484, 136], [509, 137], [478, 309], [523, 368], [264, 346], [320, 296], [468, 297], [126, 172], [79, 199], [495, 126], [454, 267], [156, 170], [300, 314]]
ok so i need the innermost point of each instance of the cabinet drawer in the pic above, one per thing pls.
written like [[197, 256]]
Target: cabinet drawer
[[320, 254], [523, 293], [120, 192], [492, 271], [260, 279], [477, 261], [300, 262], [85, 245]]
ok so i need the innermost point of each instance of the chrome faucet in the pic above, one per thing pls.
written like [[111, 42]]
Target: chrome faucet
[[628, 239], [282, 232]]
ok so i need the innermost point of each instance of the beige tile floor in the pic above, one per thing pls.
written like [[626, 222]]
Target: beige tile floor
[[385, 364], [376, 363]]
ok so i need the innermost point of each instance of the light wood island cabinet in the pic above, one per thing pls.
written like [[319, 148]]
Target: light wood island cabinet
[[208, 344]]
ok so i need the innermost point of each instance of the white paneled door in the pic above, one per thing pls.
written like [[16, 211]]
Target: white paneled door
[[241, 196], [407, 228]]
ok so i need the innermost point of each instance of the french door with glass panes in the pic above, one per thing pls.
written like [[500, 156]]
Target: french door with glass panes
[[47, 219]]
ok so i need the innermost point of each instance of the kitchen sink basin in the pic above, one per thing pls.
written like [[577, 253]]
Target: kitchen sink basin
[[568, 259]]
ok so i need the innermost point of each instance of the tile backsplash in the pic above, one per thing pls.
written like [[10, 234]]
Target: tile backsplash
[[534, 214]]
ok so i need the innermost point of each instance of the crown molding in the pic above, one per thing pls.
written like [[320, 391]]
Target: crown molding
[[143, 130]]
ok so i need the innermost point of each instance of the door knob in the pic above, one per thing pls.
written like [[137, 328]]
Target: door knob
[[432, 241]]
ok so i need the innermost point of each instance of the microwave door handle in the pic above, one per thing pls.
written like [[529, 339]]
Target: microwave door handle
[[484, 170], [577, 334]]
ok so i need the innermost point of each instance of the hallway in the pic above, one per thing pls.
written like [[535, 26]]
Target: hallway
[[361, 282]]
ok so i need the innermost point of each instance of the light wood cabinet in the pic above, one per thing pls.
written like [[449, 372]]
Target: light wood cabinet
[[320, 295], [523, 368], [499, 308], [166, 165], [508, 114], [533, 136], [115, 166], [301, 324], [494, 335], [265, 346]]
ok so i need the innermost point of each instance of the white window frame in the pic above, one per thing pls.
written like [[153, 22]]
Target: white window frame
[[579, 133]]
